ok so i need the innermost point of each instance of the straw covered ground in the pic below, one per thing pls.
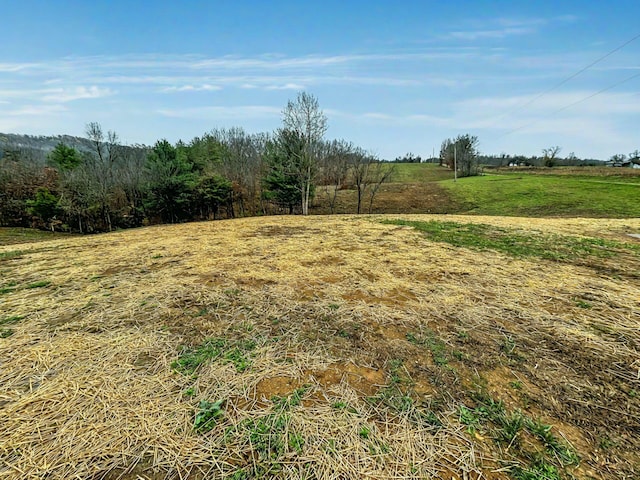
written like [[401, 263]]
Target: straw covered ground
[[323, 347]]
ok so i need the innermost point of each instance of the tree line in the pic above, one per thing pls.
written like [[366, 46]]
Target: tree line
[[224, 173]]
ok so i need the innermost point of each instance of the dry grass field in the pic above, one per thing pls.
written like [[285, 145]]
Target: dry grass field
[[326, 347]]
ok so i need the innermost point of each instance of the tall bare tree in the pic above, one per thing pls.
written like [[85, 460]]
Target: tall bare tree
[[379, 173], [103, 167], [304, 117], [335, 168], [550, 155], [367, 174]]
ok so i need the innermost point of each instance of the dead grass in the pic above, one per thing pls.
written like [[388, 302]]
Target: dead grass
[[366, 341]]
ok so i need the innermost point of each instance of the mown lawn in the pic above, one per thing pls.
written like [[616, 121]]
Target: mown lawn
[[420, 172], [547, 195], [11, 236]]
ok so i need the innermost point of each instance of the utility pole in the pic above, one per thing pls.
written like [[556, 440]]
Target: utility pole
[[455, 163]]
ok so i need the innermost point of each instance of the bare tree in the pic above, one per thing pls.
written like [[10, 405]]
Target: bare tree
[[550, 155], [368, 174], [241, 162], [304, 117], [335, 168], [103, 167], [379, 173]]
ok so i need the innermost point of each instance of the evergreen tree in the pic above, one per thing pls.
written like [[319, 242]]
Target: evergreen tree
[[171, 184]]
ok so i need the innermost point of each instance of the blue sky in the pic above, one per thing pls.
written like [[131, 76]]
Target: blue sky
[[392, 76]]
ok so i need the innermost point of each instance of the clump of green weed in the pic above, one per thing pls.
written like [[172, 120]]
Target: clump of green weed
[[6, 332], [506, 425], [469, 417], [539, 469], [8, 287], [433, 343], [509, 348], [491, 416], [392, 396], [39, 284], [241, 474], [11, 320], [191, 358], [583, 304], [11, 254], [208, 415], [235, 352], [296, 442], [271, 436], [564, 453], [292, 400], [189, 392], [510, 426]]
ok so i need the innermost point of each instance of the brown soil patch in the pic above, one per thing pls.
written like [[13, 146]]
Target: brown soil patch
[[363, 380], [268, 388]]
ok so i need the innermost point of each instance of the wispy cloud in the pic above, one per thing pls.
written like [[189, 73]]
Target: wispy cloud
[[191, 88], [16, 67], [608, 103], [286, 86], [498, 33], [35, 110], [498, 28], [389, 119], [78, 93], [265, 62], [241, 112]]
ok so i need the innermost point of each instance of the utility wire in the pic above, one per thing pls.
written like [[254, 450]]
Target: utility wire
[[571, 77], [572, 104]]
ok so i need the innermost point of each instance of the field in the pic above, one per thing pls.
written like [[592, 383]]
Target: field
[[337, 347], [542, 193], [532, 192]]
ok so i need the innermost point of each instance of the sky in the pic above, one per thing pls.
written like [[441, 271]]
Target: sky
[[391, 76]]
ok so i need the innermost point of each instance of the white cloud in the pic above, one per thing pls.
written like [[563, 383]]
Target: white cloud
[[498, 33], [16, 67], [506, 27], [287, 86], [36, 110], [191, 88], [223, 112], [63, 95], [416, 119], [607, 103]]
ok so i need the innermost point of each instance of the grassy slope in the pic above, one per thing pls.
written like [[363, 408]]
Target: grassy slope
[[26, 235], [420, 172], [533, 195], [588, 192], [319, 347]]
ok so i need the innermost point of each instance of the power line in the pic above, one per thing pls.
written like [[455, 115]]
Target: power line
[[572, 104], [569, 78]]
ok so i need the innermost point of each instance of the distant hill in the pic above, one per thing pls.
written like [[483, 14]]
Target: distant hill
[[39, 146], [44, 144]]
